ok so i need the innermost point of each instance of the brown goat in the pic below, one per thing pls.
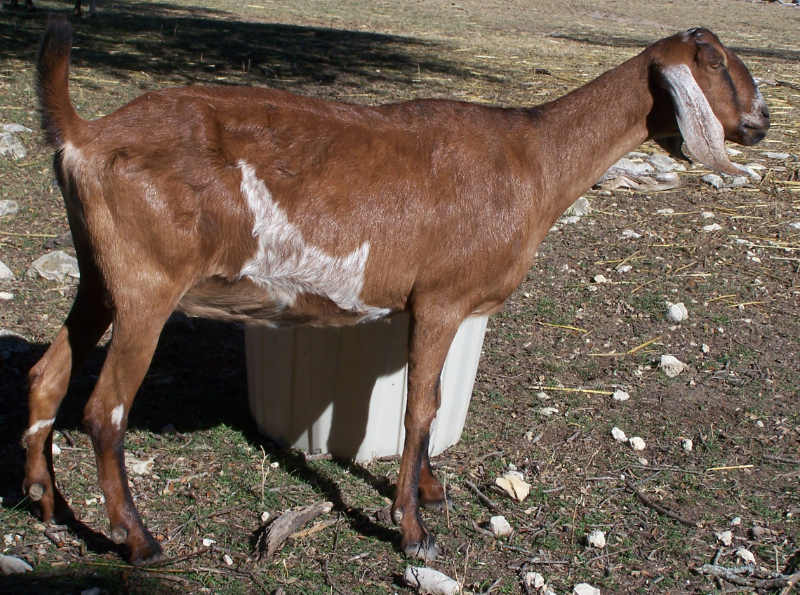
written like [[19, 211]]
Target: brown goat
[[256, 204]]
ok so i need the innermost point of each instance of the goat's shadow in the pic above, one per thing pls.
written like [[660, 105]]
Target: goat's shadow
[[197, 380]]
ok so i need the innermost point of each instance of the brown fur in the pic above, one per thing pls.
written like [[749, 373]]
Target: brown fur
[[453, 199]]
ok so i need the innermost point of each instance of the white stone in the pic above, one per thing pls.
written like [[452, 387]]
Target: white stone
[[666, 211], [514, 484], [6, 274], [599, 279], [265, 516], [620, 395], [585, 589], [10, 146], [55, 266], [13, 565], [534, 580], [636, 443], [208, 542], [8, 207], [596, 539], [705, 348], [547, 411], [500, 526], [227, 559], [725, 537], [677, 312], [712, 227], [775, 155], [671, 365], [665, 163], [687, 444], [55, 449], [713, 179], [6, 296], [138, 466], [745, 556], [736, 521], [795, 225], [15, 128], [624, 268], [618, 434], [707, 215], [629, 234], [429, 581], [579, 208]]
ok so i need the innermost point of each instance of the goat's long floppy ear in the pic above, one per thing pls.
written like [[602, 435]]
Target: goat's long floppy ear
[[703, 135]]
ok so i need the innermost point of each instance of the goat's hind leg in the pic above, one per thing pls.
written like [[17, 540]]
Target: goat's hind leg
[[48, 383], [133, 342]]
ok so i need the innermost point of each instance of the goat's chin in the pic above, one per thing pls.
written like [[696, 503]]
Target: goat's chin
[[749, 136]]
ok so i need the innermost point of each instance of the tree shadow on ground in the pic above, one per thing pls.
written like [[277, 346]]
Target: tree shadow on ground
[[197, 380], [195, 44]]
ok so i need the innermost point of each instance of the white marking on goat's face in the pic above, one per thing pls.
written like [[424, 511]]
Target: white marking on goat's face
[[38, 427], [287, 266], [755, 116], [116, 416]]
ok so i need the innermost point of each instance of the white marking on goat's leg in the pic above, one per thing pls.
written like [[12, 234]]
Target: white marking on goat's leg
[[116, 416], [37, 427], [287, 266]]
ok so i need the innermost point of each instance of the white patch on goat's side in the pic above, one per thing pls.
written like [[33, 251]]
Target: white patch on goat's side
[[38, 426], [287, 266], [116, 416]]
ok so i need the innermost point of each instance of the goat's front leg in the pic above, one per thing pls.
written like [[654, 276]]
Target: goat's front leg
[[48, 381], [431, 335], [133, 342]]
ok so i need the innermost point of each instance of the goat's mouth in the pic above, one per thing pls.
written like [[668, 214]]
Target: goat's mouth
[[750, 133]]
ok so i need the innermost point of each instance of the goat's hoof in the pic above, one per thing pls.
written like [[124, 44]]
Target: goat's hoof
[[147, 552], [424, 550], [35, 491], [119, 535]]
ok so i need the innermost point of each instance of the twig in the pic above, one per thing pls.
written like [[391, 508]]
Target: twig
[[481, 496], [658, 508], [28, 235], [729, 468], [564, 326], [782, 459], [565, 389], [743, 576]]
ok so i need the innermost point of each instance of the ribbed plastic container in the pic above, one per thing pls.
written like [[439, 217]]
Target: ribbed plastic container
[[343, 390]]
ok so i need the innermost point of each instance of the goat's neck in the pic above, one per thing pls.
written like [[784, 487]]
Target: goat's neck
[[589, 129]]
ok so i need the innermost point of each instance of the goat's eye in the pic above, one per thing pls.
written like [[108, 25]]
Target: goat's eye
[[716, 65]]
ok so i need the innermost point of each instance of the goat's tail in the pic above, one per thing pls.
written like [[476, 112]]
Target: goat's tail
[[59, 118]]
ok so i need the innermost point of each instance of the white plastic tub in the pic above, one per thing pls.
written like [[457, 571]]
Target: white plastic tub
[[343, 390]]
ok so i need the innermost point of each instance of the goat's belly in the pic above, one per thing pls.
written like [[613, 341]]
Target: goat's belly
[[246, 301]]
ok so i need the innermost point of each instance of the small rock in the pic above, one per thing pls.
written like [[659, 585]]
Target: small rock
[[733, 152], [712, 227], [265, 516], [707, 215], [725, 537], [585, 589], [736, 521], [745, 556], [500, 526], [666, 211], [596, 539], [758, 532], [534, 580], [629, 234], [579, 208], [618, 434], [739, 181], [8, 207], [11, 146], [513, 484], [227, 559], [55, 266], [795, 225], [15, 128], [665, 163], [429, 581], [687, 444], [6, 274], [677, 312], [642, 461], [713, 179], [620, 395], [139, 466], [705, 348], [775, 155], [55, 449], [636, 443], [547, 411], [6, 296], [599, 279], [624, 268], [8, 539], [671, 365], [13, 565]]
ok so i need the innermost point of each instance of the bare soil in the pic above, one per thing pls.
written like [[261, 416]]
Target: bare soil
[[563, 341]]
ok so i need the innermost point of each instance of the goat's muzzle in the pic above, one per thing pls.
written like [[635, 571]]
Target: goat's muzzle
[[754, 128]]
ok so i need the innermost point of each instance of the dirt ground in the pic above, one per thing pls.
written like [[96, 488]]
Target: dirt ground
[[564, 341]]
